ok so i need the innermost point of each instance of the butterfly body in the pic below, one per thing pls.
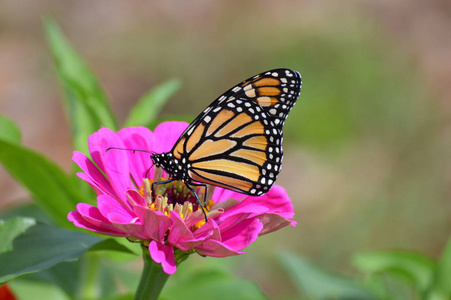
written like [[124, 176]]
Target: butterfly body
[[236, 142]]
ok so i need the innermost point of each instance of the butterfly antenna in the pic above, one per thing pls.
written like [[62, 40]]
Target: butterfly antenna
[[134, 150], [127, 149]]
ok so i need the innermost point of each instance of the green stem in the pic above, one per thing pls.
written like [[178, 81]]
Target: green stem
[[153, 278], [90, 276]]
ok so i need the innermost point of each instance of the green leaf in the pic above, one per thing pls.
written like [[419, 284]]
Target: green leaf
[[122, 297], [414, 267], [146, 110], [65, 276], [441, 288], [10, 229], [319, 284], [87, 104], [93, 270], [43, 246], [37, 290], [9, 131], [55, 191], [213, 284], [111, 244], [30, 210]]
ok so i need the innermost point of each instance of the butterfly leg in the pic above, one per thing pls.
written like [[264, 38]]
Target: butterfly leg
[[203, 185], [203, 206], [160, 182]]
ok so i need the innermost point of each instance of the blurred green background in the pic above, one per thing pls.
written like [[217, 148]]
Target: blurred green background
[[367, 160]]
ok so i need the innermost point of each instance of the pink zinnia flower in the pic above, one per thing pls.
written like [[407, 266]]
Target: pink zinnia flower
[[171, 219]]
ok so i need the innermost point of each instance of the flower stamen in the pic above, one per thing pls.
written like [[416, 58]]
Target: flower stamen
[[174, 196]]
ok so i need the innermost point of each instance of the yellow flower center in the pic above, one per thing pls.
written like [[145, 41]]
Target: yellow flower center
[[173, 196]]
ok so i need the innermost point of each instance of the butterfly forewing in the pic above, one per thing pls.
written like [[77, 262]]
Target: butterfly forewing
[[276, 91], [236, 142]]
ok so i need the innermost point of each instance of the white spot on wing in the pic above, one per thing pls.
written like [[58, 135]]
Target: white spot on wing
[[250, 93], [247, 87]]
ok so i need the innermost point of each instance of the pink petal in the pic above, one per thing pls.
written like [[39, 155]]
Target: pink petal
[[96, 177], [79, 221], [119, 218], [163, 254], [194, 218], [155, 223], [93, 174], [180, 236], [133, 229], [138, 138], [225, 205], [273, 222], [136, 198], [209, 230], [276, 201], [221, 194], [167, 134], [215, 248], [108, 205], [242, 235], [97, 188], [93, 216], [114, 222], [229, 221], [114, 163]]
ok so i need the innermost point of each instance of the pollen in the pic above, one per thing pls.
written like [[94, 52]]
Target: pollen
[[141, 191], [199, 224], [175, 196], [211, 214]]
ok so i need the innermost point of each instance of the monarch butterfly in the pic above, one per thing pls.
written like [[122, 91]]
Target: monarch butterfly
[[236, 142]]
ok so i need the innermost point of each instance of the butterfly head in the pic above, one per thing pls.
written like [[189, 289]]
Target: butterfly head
[[167, 162]]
